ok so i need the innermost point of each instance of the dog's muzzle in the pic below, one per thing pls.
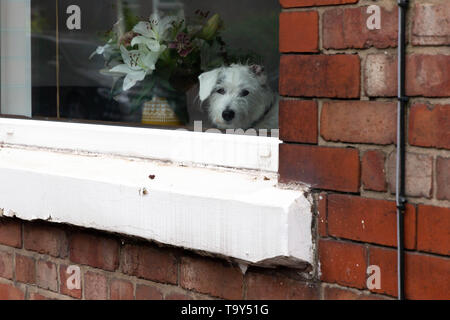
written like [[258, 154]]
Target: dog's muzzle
[[228, 115]]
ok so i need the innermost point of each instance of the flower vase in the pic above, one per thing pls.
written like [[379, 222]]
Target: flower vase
[[165, 106]]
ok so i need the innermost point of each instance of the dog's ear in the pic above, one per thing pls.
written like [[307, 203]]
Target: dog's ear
[[259, 73], [207, 82], [257, 69]]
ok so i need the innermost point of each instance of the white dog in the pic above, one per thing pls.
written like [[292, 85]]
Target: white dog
[[238, 97]]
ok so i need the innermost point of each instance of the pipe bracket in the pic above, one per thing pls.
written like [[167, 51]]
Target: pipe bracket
[[401, 203]]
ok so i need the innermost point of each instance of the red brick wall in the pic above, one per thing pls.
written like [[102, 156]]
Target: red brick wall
[[35, 256], [337, 119], [338, 123]]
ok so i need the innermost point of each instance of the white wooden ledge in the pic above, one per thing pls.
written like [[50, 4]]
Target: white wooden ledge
[[238, 214], [226, 150]]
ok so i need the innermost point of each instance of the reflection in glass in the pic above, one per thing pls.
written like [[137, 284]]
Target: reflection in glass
[[249, 34]]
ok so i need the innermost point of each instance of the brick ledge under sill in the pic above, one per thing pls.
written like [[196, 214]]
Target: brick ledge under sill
[[238, 214]]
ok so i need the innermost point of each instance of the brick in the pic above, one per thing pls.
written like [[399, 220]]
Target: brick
[[298, 121], [426, 277], [37, 296], [178, 296], [386, 259], [380, 77], [277, 287], [46, 275], [359, 122], [333, 293], [431, 24], [322, 214], [95, 286], [299, 31], [148, 293], [121, 290], [6, 265], [443, 178], [45, 239], [64, 276], [96, 251], [343, 263], [25, 269], [345, 28], [10, 232], [426, 75], [369, 220], [429, 126], [9, 292], [211, 277], [320, 167], [373, 175], [328, 76], [310, 3], [433, 229], [155, 264], [418, 171]]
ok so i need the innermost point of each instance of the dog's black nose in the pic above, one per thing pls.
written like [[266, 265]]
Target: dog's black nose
[[228, 115]]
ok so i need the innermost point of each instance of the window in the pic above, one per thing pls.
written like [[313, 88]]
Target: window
[[47, 74], [48, 70]]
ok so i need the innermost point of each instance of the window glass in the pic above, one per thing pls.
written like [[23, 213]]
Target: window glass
[[138, 61]]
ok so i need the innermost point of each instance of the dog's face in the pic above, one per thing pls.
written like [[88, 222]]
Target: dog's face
[[236, 96]]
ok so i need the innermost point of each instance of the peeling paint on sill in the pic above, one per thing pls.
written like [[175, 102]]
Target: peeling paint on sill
[[239, 214]]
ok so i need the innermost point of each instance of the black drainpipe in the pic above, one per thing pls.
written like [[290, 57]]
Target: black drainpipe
[[400, 178]]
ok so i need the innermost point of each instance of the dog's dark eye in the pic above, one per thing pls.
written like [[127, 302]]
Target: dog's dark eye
[[221, 91], [244, 93]]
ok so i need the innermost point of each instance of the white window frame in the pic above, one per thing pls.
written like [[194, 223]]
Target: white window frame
[[12, 25], [178, 146], [237, 151]]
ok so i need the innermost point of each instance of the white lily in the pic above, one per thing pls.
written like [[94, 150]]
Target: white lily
[[151, 44], [132, 68], [154, 32], [149, 58], [138, 63]]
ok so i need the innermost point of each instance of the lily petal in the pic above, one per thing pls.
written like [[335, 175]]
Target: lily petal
[[132, 78], [125, 55], [145, 28], [131, 58], [150, 60], [153, 45], [121, 68], [161, 26]]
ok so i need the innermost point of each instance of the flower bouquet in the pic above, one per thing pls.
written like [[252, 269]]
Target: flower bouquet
[[159, 60]]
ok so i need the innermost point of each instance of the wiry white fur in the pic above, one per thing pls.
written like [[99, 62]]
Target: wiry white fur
[[249, 110]]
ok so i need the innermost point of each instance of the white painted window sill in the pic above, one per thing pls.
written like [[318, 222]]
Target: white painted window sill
[[240, 214]]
